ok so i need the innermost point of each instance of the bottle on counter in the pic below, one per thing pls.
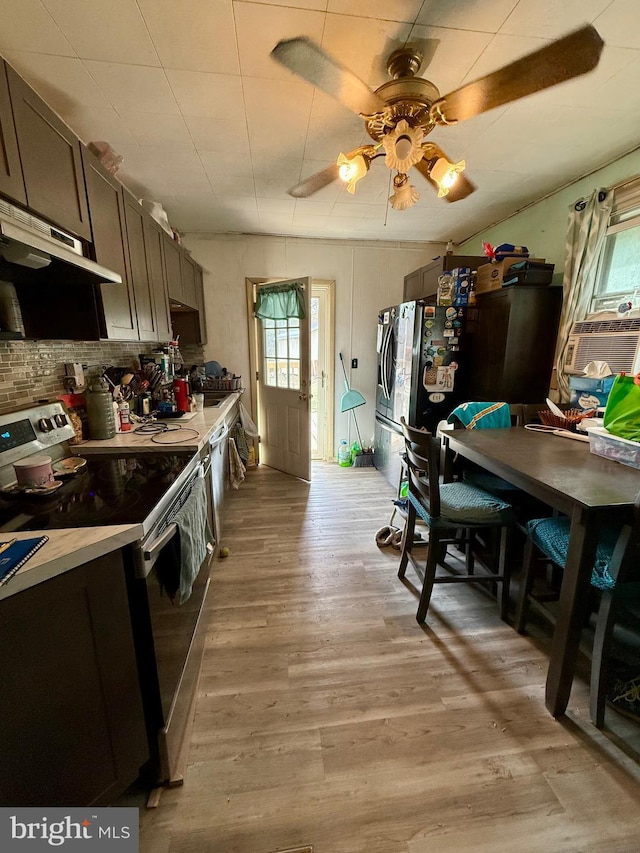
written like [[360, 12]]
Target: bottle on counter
[[100, 415], [125, 416]]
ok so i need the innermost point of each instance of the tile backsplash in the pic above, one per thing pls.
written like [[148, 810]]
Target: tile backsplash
[[34, 370]]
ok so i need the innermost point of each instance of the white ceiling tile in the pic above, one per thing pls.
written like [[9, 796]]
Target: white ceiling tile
[[226, 185], [26, 25], [276, 205], [214, 95], [63, 82], [619, 24], [92, 125], [259, 28], [210, 136], [113, 31], [197, 35], [134, 87], [158, 131], [550, 19], [318, 5], [399, 10], [277, 115], [487, 16], [228, 162]]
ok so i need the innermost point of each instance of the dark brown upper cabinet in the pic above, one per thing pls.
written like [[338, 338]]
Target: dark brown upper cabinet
[[173, 267], [200, 305], [51, 159], [155, 267], [11, 182], [188, 270], [138, 264], [109, 234]]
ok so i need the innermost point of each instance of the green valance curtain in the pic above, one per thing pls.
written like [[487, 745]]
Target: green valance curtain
[[281, 301]]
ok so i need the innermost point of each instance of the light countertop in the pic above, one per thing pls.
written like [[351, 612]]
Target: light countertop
[[69, 548]]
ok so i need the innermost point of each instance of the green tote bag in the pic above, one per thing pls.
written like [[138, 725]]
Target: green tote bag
[[622, 413]]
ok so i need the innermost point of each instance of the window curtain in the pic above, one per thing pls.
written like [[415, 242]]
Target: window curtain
[[586, 232], [281, 301]]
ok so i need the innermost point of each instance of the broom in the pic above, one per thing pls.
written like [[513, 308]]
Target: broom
[[351, 400]]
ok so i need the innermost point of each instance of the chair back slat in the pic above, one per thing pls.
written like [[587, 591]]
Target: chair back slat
[[422, 455]]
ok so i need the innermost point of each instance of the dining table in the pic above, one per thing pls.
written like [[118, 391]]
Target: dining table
[[591, 490]]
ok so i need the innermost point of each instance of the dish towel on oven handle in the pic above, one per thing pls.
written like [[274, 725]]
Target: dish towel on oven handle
[[181, 559]]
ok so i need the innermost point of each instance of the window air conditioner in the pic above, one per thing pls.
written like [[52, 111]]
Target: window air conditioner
[[615, 341]]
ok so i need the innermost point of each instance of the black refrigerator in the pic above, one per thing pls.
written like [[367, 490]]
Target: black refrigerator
[[423, 368]]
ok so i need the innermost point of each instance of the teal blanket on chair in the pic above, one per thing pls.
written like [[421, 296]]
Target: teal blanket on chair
[[482, 415]]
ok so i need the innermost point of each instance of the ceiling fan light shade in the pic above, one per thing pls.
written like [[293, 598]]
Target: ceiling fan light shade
[[405, 194], [403, 146], [351, 169], [445, 174]]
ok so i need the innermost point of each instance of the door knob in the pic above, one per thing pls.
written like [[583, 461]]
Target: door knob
[[302, 396]]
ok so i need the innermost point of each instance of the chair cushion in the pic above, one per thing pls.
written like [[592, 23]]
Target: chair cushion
[[463, 504], [551, 536]]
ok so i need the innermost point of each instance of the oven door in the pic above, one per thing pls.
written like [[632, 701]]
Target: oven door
[[173, 645]]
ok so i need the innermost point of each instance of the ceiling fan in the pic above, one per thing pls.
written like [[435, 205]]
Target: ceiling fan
[[401, 113]]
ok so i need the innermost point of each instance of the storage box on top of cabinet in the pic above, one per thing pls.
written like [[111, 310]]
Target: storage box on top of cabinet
[[491, 276]]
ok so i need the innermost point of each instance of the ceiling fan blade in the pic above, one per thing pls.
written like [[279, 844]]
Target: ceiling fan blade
[[462, 187], [309, 61], [316, 182], [568, 57]]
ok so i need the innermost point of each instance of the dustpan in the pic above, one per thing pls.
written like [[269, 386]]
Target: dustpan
[[350, 399]]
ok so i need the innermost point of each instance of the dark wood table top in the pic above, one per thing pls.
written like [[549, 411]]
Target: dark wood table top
[[561, 471]]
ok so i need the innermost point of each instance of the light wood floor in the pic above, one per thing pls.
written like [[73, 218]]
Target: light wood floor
[[326, 716]]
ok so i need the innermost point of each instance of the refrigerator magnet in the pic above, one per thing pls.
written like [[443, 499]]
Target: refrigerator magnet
[[449, 333], [429, 311], [437, 397]]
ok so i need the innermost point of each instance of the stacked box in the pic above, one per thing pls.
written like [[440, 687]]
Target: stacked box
[[463, 284], [491, 276]]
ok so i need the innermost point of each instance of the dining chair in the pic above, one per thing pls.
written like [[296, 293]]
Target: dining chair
[[615, 576], [452, 512]]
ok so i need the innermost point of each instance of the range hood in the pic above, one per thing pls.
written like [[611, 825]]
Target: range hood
[[31, 244]]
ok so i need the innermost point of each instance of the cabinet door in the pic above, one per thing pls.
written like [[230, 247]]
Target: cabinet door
[[188, 268], [142, 289], [106, 204], [11, 183], [71, 706], [51, 160], [157, 277], [171, 252], [202, 317], [412, 286]]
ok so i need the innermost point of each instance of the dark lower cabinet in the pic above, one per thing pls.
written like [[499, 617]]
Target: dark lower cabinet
[[73, 730]]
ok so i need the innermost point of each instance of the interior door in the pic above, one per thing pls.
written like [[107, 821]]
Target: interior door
[[284, 390]]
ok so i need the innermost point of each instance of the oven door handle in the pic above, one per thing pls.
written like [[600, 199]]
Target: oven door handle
[[216, 440], [150, 553]]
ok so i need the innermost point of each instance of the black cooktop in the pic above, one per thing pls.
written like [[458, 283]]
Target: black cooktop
[[109, 490]]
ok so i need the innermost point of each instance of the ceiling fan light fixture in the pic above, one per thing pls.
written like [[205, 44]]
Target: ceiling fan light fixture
[[405, 194], [403, 146], [351, 169], [445, 174]]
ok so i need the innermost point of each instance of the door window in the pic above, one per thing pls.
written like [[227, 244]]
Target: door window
[[281, 347]]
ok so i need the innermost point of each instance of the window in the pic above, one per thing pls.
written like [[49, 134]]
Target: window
[[619, 268], [282, 353]]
